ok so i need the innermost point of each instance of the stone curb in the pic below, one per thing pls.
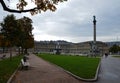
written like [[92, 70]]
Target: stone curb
[[77, 77], [13, 75]]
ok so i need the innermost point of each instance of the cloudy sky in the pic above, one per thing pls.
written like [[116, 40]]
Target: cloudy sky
[[73, 21]]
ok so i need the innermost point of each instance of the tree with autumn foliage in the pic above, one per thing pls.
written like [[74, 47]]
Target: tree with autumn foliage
[[17, 32], [4, 43], [25, 37], [8, 30], [40, 5]]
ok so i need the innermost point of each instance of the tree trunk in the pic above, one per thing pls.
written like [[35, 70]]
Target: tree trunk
[[3, 50], [19, 50], [22, 50], [10, 53], [25, 51]]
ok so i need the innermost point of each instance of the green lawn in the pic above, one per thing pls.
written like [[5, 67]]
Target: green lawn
[[81, 66], [117, 56], [7, 68]]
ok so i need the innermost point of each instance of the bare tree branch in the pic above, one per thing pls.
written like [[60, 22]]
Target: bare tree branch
[[13, 10]]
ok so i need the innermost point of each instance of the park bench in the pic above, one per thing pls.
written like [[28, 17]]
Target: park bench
[[3, 56], [24, 65]]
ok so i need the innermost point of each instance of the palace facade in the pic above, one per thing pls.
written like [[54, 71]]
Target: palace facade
[[69, 47]]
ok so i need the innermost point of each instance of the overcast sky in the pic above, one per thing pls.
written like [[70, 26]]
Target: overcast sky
[[73, 21]]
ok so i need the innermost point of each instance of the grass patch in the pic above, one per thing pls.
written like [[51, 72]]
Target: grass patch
[[116, 56], [79, 65], [7, 68]]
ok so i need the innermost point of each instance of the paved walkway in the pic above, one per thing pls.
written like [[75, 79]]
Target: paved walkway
[[7, 55], [110, 70], [43, 72]]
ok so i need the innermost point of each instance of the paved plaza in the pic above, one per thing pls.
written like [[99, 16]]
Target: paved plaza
[[110, 70]]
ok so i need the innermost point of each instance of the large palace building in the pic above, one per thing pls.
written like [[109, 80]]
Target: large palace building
[[70, 48]]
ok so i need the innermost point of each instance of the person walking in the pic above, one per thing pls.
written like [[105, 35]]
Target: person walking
[[106, 55]]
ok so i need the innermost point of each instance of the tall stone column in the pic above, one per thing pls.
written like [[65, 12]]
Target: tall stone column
[[94, 26], [94, 47]]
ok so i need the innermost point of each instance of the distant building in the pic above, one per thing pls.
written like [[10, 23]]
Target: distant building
[[70, 48], [110, 44]]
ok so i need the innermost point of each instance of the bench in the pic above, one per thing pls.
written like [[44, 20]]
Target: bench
[[3, 56], [24, 65]]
